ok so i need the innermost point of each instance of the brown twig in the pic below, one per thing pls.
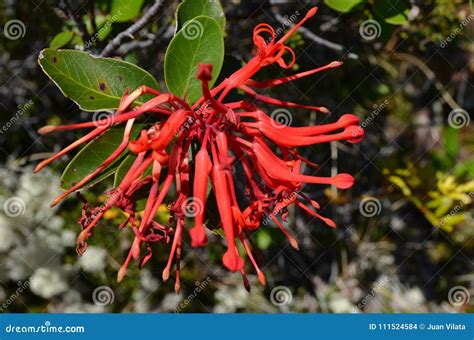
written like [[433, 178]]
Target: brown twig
[[318, 40], [430, 75], [115, 43]]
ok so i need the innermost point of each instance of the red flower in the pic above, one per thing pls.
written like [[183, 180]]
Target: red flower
[[225, 133]]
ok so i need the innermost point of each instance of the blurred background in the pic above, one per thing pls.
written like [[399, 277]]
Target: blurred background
[[404, 241]]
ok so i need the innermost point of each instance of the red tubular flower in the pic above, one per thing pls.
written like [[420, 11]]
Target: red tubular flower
[[225, 133], [202, 170]]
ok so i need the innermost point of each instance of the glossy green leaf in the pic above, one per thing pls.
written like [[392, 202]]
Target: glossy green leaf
[[125, 10], [93, 155], [61, 39], [394, 13], [343, 6], [189, 9], [93, 83], [199, 41], [398, 19]]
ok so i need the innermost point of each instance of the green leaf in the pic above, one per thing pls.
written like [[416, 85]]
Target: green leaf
[[343, 6], [189, 9], [77, 40], [392, 12], [451, 220], [451, 142], [435, 203], [93, 155], [104, 27], [398, 19], [383, 90], [93, 83], [61, 39], [444, 207], [103, 31], [263, 239], [199, 41], [125, 10], [400, 183], [122, 169], [465, 167]]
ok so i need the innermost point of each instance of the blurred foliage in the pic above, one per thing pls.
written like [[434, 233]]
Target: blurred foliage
[[449, 203]]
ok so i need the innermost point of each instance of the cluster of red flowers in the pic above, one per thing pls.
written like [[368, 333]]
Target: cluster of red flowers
[[222, 135]]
